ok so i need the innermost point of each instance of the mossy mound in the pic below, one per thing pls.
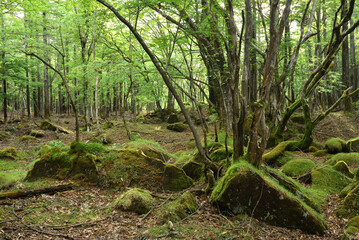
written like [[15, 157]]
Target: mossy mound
[[352, 159], [342, 167], [298, 118], [103, 138], [276, 152], [28, 138], [132, 168], [193, 169], [329, 179], [220, 154], [177, 127], [298, 167], [353, 144], [320, 153], [149, 148], [350, 205], [54, 163], [178, 209], [173, 118], [93, 148], [312, 149], [244, 189], [352, 230], [37, 134], [108, 124], [284, 158], [47, 125], [135, 200], [4, 136], [336, 145], [175, 179], [83, 167], [9, 153]]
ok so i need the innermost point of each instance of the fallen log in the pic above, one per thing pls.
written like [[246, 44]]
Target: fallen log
[[47, 125], [30, 193]]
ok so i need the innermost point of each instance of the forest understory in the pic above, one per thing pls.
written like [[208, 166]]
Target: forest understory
[[85, 212]]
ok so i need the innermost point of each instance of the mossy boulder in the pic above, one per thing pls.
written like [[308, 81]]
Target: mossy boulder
[[108, 124], [353, 144], [298, 167], [350, 205], [37, 134], [329, 179], [298, 118], [320, 153], [352, 230], [54, 163], [177, 127], [150, 148], [220, 154], [193, 169], [276, 152], [28, 138], [312, 149], [178, 209], [175, 179], [244, 189], [84, 167], [47, 125], [9, 153], [173, 118], [135, 200], [4, 136], [342, 167], [131, 168], [103, 138], [336, 145], [351, 159], [93, 148]]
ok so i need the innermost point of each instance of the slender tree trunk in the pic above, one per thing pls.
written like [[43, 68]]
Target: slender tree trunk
[[46, 74], [348, 107], [4, 83], [353, 65]]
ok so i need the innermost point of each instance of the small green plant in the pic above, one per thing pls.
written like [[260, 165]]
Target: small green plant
[[56, 143]]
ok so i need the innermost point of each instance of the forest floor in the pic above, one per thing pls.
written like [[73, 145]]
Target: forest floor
[[82, 213]]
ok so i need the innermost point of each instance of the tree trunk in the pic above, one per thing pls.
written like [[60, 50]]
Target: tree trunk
[[353, 66], [4, 83], [348, 107], [46, 74]]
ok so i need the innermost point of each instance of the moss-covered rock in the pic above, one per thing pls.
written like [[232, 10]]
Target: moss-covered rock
[[149, 148], [350, 205], [90, 147], [135, 200], [177, 127], [276, 152], [329, 179], [193, 169], [320, 153], [84, 167], [9, 153], [175, 179], [103, 138], [351, 159], [353, 144], [37, 134], [220, 154], [298, 167], [28, 138], [312, 149], [54, 163], [178, 209], [109, 124], [336, 145], [4, 136], [244, 189], [47, 125], [173, 118], [342, 167], [298, 118], [351, 231]]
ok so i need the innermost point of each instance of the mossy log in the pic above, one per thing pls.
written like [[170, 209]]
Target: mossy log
[[30, 193], [47, 125]]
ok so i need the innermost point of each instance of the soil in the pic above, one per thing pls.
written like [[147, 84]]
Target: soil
[[83, 213]]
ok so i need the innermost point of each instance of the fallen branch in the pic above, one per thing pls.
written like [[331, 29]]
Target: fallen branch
[[30, 193]]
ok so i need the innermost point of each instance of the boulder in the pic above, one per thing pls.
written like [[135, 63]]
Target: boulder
[[28, 138], [193, 169], [175, 179], [329, 179], [353, 144], [352, 230], [173, 118], [177, 127], [298, 118], [178, 209], [351, 159], [276, 152], [37, 134], [350, 205], [336, 145], [84, 167], [103, 138], [135, 200], [244, 189], [47, 125], [220, 154], [108, 124], [298, 167], [320, 153], [342, 167], [9, 153]]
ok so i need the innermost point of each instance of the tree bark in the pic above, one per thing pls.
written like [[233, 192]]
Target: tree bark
[[4, 82], [46, 73]]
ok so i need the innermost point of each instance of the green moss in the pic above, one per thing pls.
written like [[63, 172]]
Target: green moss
[[177, 127], [182, 157], [313, 149], [175, 179], [12, 177], [344, 192], [329, 180], [320, 153], [9, 153], [4, 136], [335, 145], [284, 158], [353, 144], [342, 167], [354, 222], [298, 118], [298, 167], [37, 134], [28, 138], [178, 209], [87, 147], [103, 138], [83, 166], [351, 230], [350, 204], [352, 159], [108, 124], [135, 200], [220, 154], [193, 169], [276, 152], [145, 144]]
